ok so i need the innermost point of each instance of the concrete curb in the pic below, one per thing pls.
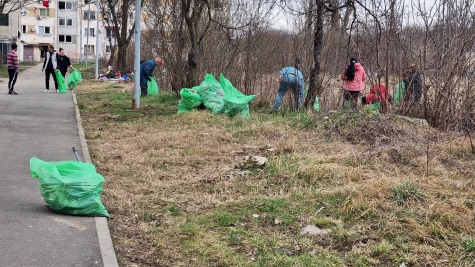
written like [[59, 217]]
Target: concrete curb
[[109, 259]]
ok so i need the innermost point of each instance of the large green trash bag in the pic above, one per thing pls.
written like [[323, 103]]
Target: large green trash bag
[[152, 86], [235, 102], [190, 99], [399, 92], [70, 187], [60, 81], [212, 94], [73, 78]]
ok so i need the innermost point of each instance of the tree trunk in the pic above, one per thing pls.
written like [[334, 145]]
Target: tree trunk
[[192, 79], [122, 57], [315, 83]]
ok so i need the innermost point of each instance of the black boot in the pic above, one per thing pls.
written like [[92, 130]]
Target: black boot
[[144, 89]]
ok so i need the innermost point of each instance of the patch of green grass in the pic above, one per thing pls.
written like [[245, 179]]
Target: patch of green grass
[[174, 210], [118, 105], [225, 218], [407, 192], [383, 248], [189, 227], [29, 64], [468, 251]]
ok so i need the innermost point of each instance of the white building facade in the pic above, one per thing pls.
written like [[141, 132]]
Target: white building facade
[[67, 24]]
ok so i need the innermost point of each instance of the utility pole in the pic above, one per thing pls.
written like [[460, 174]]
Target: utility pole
[[137, 91], [88, 31], [81, 14], [97, 38]]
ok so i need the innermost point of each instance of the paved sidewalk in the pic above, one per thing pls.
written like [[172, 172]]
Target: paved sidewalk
[[42, 125]]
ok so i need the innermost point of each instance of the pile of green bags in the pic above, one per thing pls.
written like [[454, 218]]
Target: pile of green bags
[[73, 78], [218, 97], [70, 187], [152, 86], [60, 81]]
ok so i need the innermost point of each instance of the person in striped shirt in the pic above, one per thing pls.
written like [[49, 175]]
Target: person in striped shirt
[[12, 64]]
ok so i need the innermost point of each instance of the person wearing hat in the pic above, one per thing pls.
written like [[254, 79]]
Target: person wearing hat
[[63, 62]]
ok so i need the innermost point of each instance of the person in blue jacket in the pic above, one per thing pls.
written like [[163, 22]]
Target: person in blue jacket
[[290, 78], [146, 71]]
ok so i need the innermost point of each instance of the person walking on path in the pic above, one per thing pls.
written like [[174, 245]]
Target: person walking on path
[[290, 77], [12, 65], [49, 66], [353, 76], [63, 62], [146, 71]]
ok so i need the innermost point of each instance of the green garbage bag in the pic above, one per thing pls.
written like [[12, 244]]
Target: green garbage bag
[[73, 78], [152, 87], [374, 107], [316, 105], [60, 81], [399, 92], [190, 99], [212, 94], [70, 187], [235, 102]]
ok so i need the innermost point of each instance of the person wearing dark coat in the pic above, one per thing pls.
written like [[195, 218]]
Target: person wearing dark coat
[[414, 85], [146, 71]]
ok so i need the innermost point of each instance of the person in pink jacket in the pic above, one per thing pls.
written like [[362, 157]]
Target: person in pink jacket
[[353, 76]]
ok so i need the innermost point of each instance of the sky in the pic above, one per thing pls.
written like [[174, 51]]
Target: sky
[[283, 21]]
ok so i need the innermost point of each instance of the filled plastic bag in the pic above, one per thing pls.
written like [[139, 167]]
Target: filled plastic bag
[[190, 99], [374, 107], [399, 92], [61, 82], [212, 94], [152, 86], [70, 187], [73, 78], [235, 102]]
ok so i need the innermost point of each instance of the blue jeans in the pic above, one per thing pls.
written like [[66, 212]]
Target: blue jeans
[[289, 81]]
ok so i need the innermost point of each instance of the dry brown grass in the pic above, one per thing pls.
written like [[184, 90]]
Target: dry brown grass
[[175, 198]]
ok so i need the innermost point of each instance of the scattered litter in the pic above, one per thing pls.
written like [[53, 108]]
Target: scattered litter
[[312, 230], [255, 215], [252, 162]]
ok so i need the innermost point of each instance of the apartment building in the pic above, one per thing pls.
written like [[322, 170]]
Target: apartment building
[[67, 24], [8, 32]]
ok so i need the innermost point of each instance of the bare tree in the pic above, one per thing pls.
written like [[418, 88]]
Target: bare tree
[[120, 18]]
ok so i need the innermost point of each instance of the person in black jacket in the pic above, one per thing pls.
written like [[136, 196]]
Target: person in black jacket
[[63, 62]]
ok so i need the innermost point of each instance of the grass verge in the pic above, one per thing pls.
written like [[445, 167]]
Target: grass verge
[[176, 198]]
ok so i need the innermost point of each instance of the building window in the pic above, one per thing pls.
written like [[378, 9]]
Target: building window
[[65, 38], [110, 32], [89, 15], [89, 32], [23, 28], [44, 30], [65, 5], [4, 20], [44, 12], [65, 22], [90, 50]]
